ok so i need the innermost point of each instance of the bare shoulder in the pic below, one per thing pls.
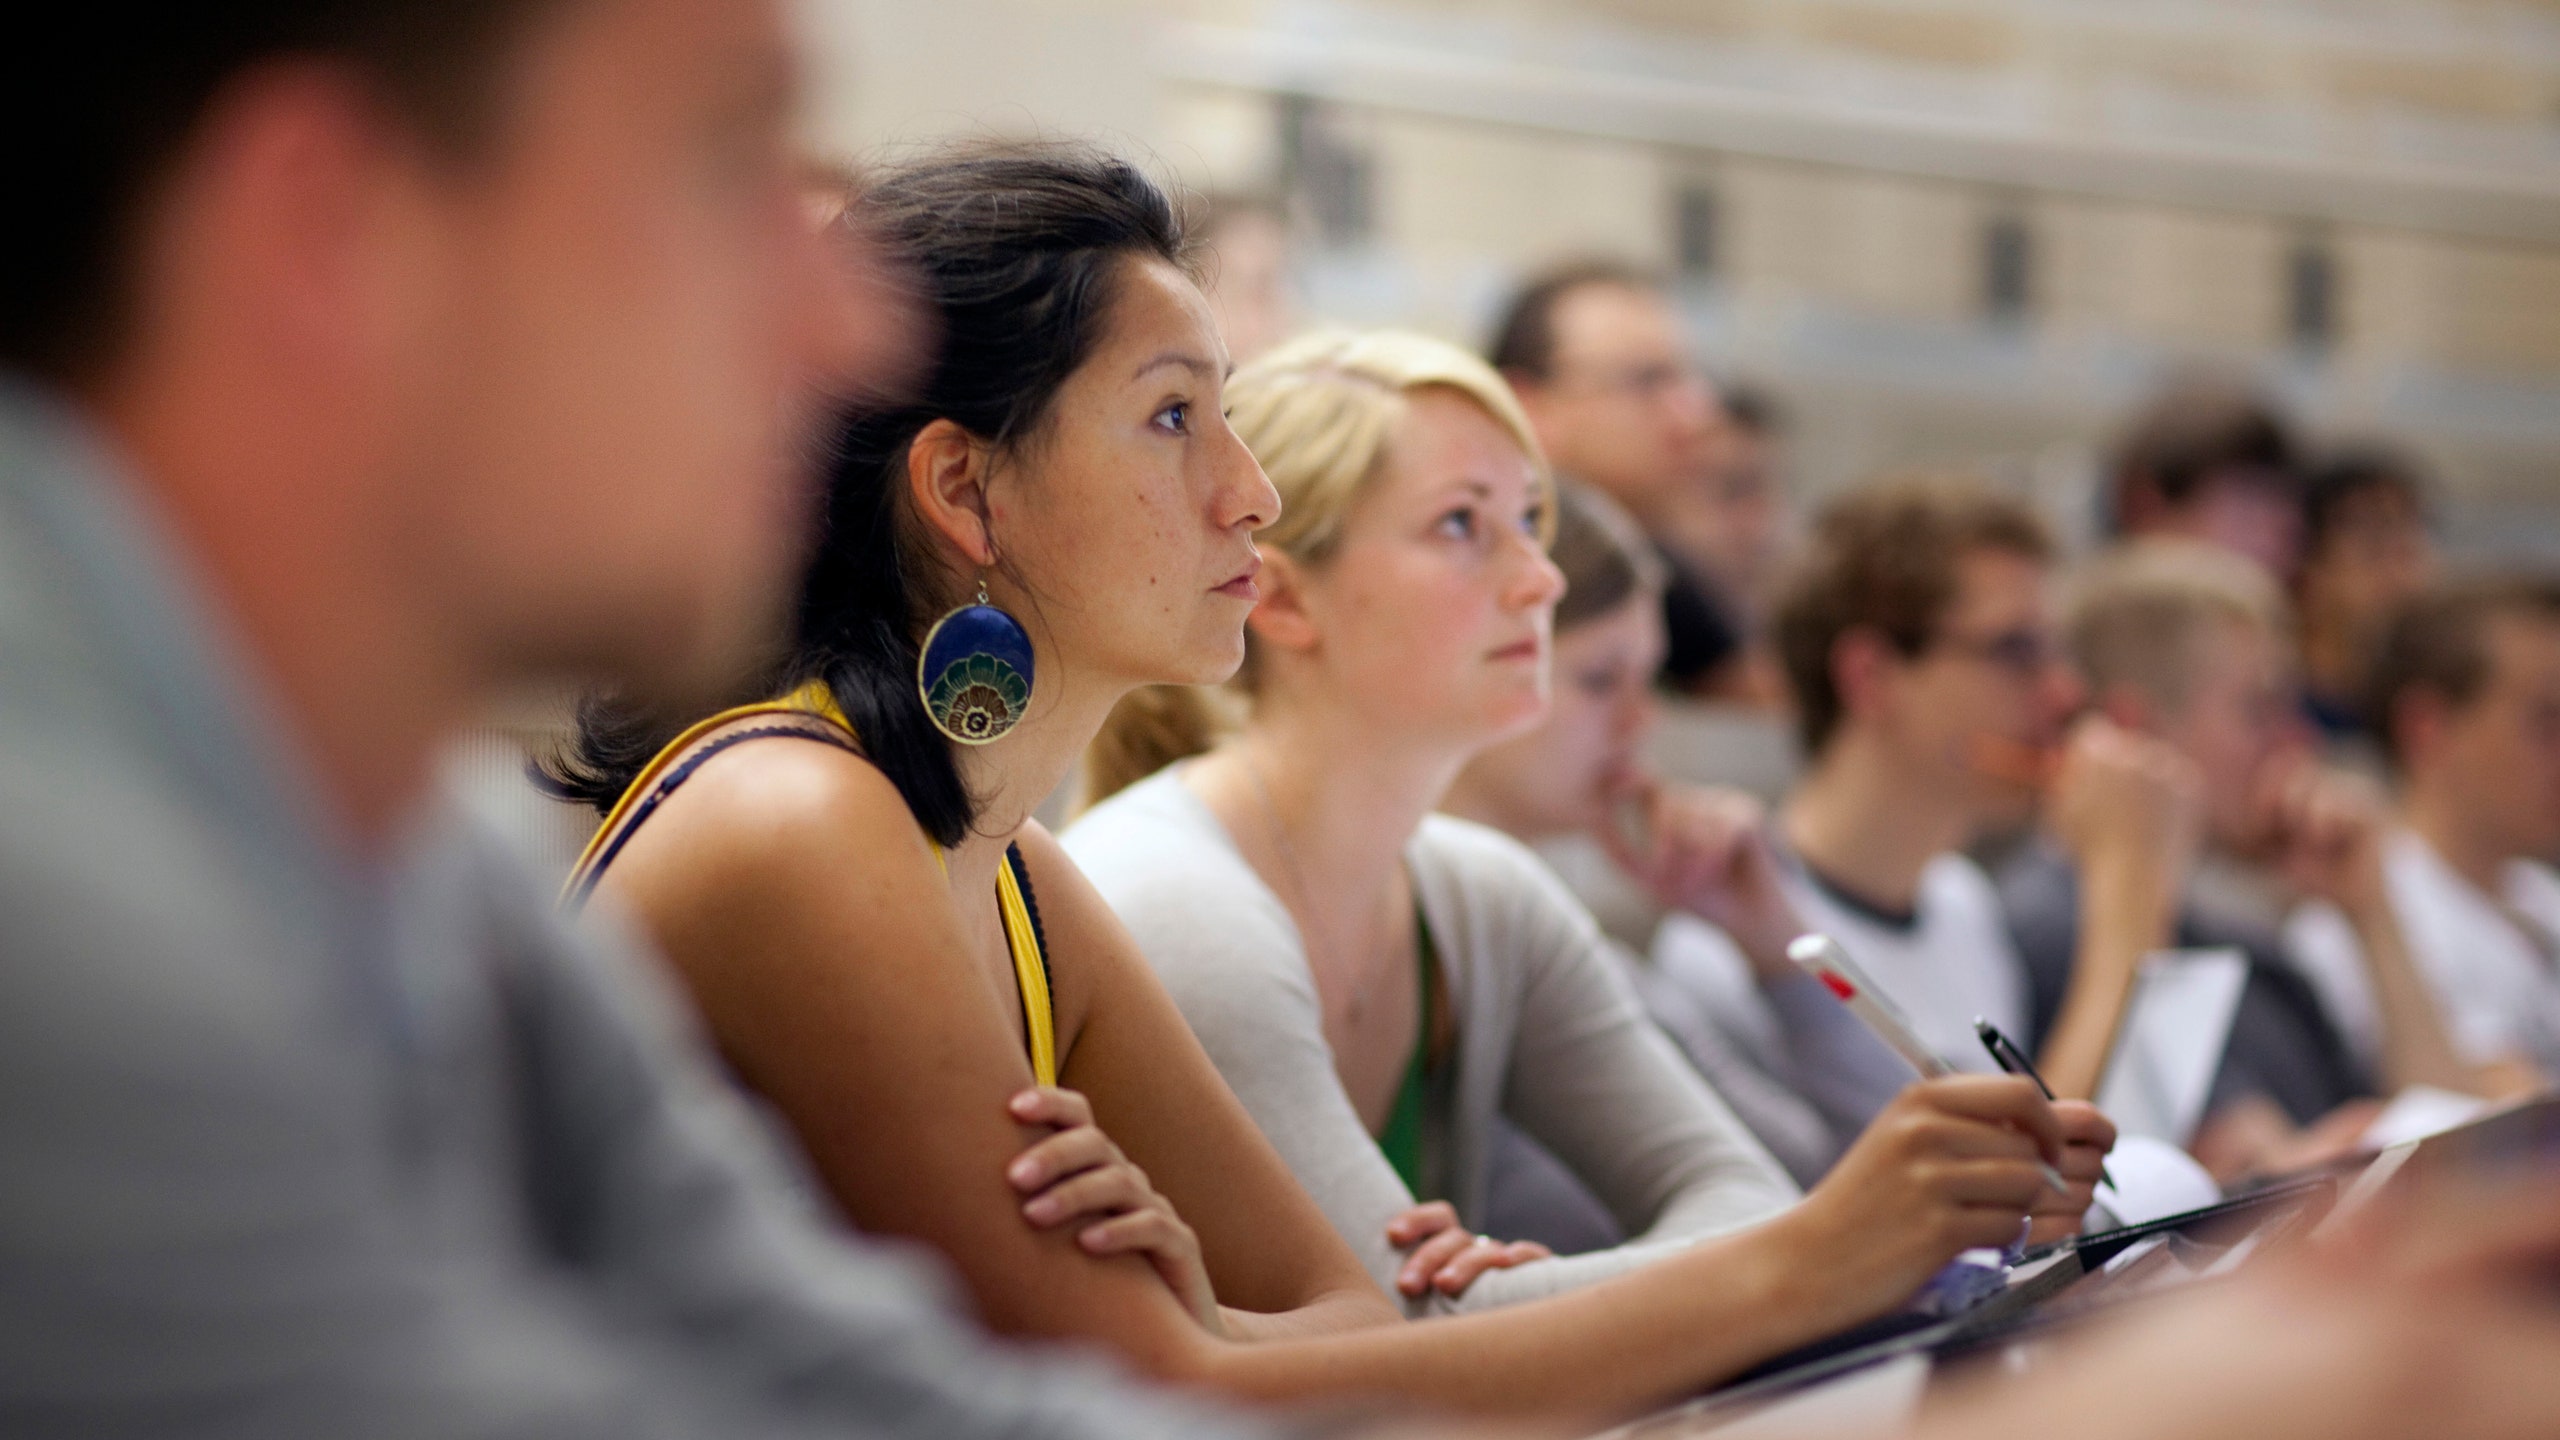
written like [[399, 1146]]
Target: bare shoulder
[[770, 816]]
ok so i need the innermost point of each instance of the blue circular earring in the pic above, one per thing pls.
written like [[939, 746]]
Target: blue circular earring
[[975, 672]]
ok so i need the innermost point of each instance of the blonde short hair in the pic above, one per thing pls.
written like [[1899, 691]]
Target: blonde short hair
[[2136, 613], [1318, 413]]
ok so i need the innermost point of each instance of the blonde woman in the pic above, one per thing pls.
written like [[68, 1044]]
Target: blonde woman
[[1376, 982]]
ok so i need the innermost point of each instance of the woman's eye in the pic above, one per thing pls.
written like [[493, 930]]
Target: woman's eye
[[1175, 418], [1533, 520], [1458, 524]]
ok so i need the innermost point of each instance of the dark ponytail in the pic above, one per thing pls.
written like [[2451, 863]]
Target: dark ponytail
[[1015, 249]]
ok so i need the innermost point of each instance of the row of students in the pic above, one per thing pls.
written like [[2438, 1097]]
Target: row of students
[[831, 894], [2180, 653], [341, 403]]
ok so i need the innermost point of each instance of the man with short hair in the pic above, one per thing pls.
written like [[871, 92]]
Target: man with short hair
[[1602, 363], [2467, 690], [2209, 460], [2366, 552], [364, 362], [1935, 709], [2188, 643]]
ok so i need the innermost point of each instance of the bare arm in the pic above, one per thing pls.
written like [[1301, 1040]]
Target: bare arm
[[789, 892], [804, 911], [2129, 809], [2332, 831], [1276, 1262]]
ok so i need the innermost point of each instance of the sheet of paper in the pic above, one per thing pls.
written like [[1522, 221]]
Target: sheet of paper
[[2176, 1023], [2154, 1179]]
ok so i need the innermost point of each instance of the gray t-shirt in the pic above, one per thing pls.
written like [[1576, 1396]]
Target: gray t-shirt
[[1547, 1034]]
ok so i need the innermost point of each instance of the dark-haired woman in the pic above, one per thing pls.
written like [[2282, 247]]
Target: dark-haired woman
[[890, 950]]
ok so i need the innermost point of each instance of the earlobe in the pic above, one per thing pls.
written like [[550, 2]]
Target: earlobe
[[1857, 663], [946, 478]]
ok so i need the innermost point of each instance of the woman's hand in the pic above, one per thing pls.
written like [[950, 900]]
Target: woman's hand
[[1078, 1175], [1952, 1164], [2087, 1137], [1705, 850], [1446, 1255]]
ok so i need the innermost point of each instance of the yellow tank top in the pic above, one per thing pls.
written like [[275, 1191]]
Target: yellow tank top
[[662, 774]]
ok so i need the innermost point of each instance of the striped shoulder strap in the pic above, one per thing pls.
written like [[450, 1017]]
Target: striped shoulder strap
[[676, 763], [1030, 964], [672, 766]]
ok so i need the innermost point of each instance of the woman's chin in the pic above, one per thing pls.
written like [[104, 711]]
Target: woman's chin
[[1211, 663]]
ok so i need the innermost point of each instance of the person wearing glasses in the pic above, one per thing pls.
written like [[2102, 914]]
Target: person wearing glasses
[[1935, 709], [2191, 643], [1602, 365]]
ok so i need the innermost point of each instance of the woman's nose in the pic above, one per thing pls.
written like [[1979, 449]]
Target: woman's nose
[[1247, 498], [1537, 581]]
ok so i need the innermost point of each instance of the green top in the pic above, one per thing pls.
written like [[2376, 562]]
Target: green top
[[1402, 1139]]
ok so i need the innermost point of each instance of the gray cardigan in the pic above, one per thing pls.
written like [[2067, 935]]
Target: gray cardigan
[[1547, 1034]]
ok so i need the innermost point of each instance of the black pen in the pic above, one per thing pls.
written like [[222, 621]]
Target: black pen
[[2006, 1055]]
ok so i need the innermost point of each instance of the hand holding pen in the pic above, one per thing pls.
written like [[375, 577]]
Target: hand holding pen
[[2006, 1055], [1824, 959]]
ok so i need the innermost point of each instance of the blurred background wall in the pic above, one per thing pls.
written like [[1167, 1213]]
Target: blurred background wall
[[1940, 230]]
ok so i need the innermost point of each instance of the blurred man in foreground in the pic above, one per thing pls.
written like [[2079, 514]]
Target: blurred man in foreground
[[371, 360]]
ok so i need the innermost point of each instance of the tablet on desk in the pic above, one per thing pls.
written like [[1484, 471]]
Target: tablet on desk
[[2293, 1205], [2052, 1286]]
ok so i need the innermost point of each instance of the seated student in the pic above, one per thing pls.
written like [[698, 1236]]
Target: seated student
[[2188, 643], [1765, 1035], [2467, 690], [2210, 460], [2366, 552], [890, 951], [1602, 363], [1936, 707], [1377, 982]]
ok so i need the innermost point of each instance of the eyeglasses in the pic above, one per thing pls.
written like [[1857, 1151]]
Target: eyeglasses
[[1642, 383], [2024, 653]]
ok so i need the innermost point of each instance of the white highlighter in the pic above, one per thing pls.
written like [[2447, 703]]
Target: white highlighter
[[1822, 957]]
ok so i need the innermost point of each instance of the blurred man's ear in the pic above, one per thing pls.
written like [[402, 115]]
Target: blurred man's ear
[[1862, 666], [2418, 720]]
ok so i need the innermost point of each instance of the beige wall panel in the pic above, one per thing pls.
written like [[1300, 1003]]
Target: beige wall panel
[[2484, 89], [1896, 247], [2190, 279], [1965, 37], [1452, 193]]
